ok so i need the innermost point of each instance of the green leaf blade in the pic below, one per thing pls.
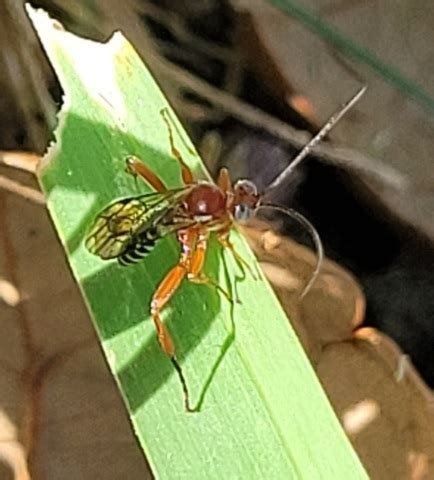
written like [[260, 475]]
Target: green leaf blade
[[264, 413]]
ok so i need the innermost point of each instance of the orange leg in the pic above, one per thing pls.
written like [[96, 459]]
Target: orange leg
[[225, 184], [137, 168], [226, 243], [224, 181], [190, 265], [195, 274], [162, 295], [187, 174]]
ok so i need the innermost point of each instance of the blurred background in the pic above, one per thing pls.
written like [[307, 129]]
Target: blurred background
[[251, 81]]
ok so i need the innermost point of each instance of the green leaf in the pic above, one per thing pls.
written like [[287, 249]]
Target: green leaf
[[264, 414]]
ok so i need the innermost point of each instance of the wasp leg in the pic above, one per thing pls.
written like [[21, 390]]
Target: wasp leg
[[224, 181], [225, 184], [195, 274], [162, 295], [243, 264], [138, 169], [194, 245], [202, 279], [186, 173]]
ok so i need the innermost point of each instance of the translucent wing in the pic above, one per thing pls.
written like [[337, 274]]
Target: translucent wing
[[120, 224]]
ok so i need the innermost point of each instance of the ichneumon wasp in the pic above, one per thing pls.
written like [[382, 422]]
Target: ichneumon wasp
[[128, 229]]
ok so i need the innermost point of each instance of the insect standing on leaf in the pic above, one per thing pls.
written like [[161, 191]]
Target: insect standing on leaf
[[129, 228]]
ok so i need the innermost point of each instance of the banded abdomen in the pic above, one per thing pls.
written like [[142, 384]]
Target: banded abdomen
[[139, 247]]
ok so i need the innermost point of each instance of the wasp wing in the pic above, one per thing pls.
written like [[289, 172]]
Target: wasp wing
[[118, 226]]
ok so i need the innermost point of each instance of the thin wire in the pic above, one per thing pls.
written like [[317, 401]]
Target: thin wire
[[331, 122], [316, 239]]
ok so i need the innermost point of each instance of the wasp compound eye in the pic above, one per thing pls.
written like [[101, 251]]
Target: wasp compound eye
[[243, 213]]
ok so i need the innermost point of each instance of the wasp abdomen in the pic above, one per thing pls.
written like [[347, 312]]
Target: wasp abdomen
[[139, 249]]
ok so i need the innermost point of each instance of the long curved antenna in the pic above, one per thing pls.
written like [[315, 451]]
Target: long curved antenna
[[331, 122], [302, 220]]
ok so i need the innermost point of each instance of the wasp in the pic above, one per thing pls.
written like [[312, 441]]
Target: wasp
[[128, 229]]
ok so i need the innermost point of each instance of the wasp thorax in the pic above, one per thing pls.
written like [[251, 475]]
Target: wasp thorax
[[204, 200]]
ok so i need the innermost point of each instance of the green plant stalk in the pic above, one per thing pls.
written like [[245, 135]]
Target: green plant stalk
[[352, 49], [264, 414]]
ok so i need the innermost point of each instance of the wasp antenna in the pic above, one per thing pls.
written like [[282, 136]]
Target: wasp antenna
[[331, 122], [316, 239]]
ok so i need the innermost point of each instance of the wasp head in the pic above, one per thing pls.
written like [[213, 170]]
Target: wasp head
[[246, 200]]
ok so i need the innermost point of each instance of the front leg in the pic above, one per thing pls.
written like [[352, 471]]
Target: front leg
[[223, 239], [195, 272]]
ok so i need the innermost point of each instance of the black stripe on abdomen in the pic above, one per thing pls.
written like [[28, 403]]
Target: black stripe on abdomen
[[136, 253]]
